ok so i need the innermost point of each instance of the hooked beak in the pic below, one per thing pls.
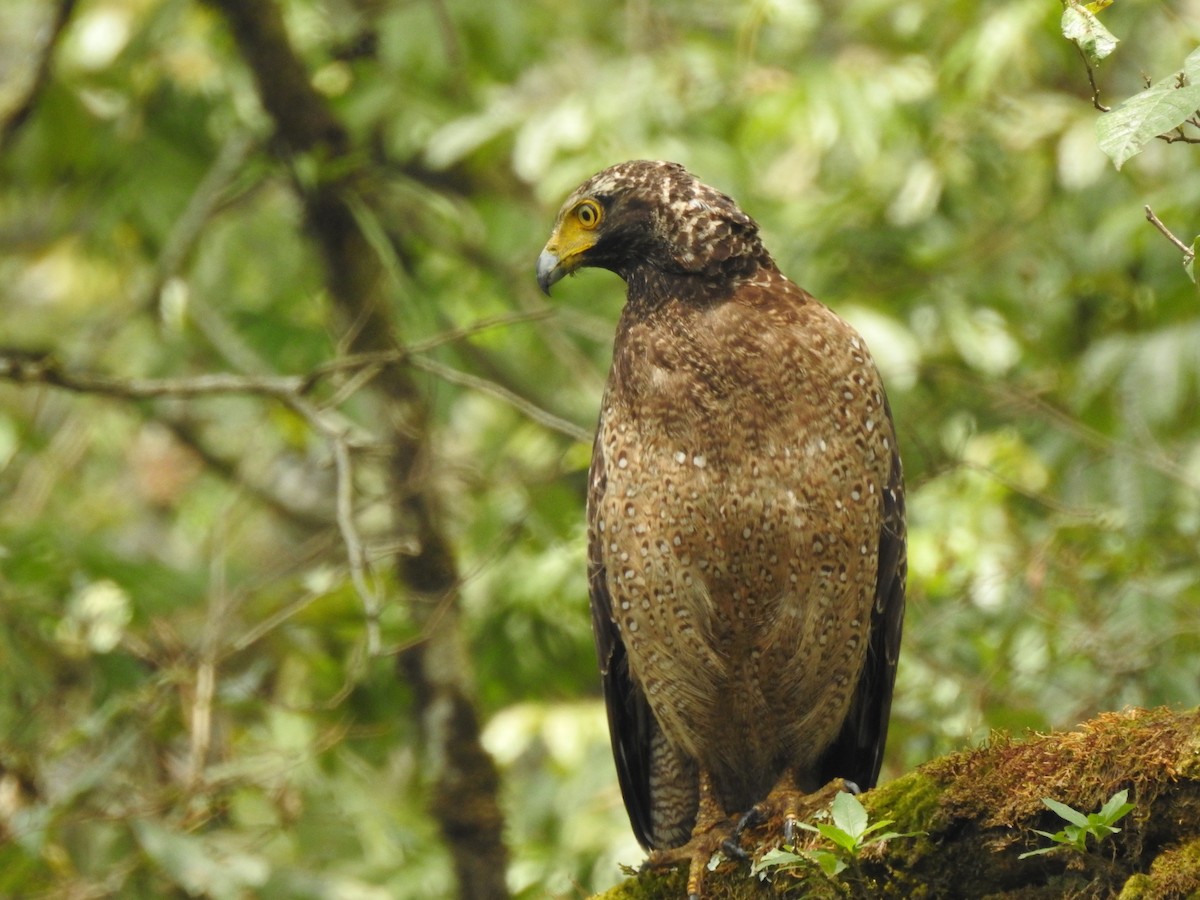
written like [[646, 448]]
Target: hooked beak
[[549, 271]]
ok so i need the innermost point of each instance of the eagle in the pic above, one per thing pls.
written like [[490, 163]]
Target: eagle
[[746, 523]]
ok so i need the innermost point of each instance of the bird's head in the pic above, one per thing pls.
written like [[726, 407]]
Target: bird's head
[[643, 214]]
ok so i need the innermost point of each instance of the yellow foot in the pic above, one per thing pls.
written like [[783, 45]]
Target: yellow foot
[[697, 853], [786, 805]]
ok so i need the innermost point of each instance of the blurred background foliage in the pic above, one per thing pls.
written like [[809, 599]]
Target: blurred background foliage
[[186, 707]]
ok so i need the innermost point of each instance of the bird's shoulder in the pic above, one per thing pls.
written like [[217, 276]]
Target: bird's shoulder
[[762, 328]]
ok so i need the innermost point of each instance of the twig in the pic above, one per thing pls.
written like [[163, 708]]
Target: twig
[[288, 389], [31, 369], [355, 383], [1023, 401], [1188, 254], [539, 415], [463, 778], [23, 368], [355, 553], [484, 324], [41, 77], [26, 368], [186, 231], [1092, 81], [184, 428], [200, 723], [1178, 136], [273, 621], [386, 357]]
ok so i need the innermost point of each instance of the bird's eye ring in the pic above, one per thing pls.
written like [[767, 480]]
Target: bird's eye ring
[[588, 213]]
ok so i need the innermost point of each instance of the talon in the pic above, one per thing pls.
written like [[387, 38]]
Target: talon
[[754, 817], [789, 831], [851, 787], [731, 848], [714, 831]]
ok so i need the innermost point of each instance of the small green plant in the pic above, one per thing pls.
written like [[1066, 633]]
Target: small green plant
[[849, 832], [1098, 824]]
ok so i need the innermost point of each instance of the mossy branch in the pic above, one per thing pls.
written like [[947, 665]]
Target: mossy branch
[[979, 809]]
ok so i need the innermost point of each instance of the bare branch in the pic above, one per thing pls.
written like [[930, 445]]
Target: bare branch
[[539, 415], [1148, 455], [360, 274], [185, 429], [23, 368], [1178, 136], [1092, 81], [41, 77], [1154, 220], [200, 207], [355, 553], [386, 357]]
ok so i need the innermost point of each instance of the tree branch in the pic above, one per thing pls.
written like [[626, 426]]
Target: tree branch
[[190, 225], [967, 817], [27, 369], [534, 412], [24, 108], [1177, 136], [465, 781], [21, 367], [1091, 80], [1188, 254]]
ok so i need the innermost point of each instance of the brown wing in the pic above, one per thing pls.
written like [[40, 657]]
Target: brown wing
[[631, 725], [857, 754]]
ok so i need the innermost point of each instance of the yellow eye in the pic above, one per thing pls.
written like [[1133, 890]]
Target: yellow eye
[[588, 213]]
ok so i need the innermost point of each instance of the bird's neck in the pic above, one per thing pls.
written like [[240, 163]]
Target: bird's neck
[[651, 285]]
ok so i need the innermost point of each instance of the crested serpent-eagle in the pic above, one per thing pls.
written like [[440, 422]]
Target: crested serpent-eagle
[[746, 532]]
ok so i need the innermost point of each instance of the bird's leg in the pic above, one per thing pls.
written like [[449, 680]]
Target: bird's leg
[[786, 802], [712, 832]]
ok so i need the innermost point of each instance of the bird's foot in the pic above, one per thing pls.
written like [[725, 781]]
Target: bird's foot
[[785, 806], [698, 853]]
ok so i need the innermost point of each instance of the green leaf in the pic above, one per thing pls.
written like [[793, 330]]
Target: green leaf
[[777, 858], [1037, 852], [890, 835], [875, 826], [1079, 24], [1100, 829], [1117, 807], [1163, 106], [830, 863], [1077, 836], [1058, 836], [843, 839], [849, 815], [1074, 816]]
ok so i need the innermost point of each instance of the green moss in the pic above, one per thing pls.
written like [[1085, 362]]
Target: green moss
[[649, 886], [1136, 888], [1176, 871], [913, 801], [731, 881], [1002, 783]]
